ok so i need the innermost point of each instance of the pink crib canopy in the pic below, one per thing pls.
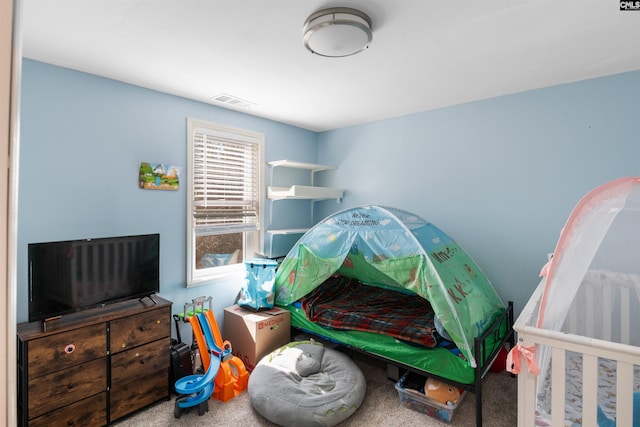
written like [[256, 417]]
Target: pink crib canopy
[[600, 242]]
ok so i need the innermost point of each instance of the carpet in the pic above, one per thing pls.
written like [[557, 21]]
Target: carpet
[[381, 406]]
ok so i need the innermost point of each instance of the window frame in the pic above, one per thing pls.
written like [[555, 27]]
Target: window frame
[[252, 240]]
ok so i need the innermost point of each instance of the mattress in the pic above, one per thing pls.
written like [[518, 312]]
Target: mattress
[[345, 303]]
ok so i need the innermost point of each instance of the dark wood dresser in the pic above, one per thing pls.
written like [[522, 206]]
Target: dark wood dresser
[[95, 366]]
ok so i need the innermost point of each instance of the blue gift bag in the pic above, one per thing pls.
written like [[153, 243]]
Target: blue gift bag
[[256, 292]]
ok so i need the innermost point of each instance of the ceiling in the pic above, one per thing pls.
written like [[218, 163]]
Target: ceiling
[[425, 54]]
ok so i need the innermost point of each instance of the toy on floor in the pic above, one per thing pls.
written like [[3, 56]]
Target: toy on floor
[[604, 421], [232, 377], [195, 390], [441, 392]]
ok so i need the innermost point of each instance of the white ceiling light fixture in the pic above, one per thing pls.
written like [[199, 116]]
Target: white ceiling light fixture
[[337, 32]]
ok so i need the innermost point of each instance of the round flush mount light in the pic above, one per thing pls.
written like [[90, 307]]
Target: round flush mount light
[[337, 32]]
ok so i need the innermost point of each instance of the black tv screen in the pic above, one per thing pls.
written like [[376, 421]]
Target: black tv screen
[[73, 275]]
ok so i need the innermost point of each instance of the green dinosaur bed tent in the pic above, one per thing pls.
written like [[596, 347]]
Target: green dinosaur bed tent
[[398, 250]]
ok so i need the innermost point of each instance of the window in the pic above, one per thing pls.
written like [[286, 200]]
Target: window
[[224, 208]]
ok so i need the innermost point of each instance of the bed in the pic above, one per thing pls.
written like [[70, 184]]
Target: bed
[[383, 261], [585, 375], [440, 360]]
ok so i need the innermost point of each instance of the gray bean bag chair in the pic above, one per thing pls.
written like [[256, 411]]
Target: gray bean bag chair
[[304, 384]]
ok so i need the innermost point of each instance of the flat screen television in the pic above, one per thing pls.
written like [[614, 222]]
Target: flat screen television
[[73, 275]]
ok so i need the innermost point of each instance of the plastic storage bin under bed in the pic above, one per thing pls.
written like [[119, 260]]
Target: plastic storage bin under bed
[[411, 390]]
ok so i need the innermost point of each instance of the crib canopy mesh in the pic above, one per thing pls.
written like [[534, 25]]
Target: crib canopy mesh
[[591, 285], [597, 258], [391, 248]]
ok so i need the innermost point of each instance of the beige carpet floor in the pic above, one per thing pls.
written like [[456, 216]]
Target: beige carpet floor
[[381, 407]]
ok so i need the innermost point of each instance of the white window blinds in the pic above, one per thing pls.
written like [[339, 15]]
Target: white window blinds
[[226, 181]]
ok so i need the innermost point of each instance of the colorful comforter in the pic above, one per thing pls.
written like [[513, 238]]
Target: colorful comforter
[[344, 303]]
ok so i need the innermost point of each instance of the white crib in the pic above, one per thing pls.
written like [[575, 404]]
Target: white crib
[[610, 308]]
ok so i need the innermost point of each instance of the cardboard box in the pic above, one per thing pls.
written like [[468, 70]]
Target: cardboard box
[[253, 335]]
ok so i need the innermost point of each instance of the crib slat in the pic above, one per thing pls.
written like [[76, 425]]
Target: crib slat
[[558, 370], [624, 394], [625, 315], [571, 323], [590, 315], [589, 390], [607, 314]]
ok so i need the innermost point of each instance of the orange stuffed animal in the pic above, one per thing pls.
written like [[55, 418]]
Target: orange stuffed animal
[[441, 392]]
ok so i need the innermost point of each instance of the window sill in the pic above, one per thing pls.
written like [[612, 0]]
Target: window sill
[[230, 274]]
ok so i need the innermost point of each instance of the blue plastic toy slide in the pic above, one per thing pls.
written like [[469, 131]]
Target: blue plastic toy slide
[[195, 390]]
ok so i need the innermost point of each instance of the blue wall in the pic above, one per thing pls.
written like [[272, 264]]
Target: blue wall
[[500, 176], [82, 140]]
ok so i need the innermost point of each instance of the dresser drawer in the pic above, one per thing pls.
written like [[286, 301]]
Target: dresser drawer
[[88, 412], [132, 395], [60, 351], [61, 388], [139, 329], [139, 362]]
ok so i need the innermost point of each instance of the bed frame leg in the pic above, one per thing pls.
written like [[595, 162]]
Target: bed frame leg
[[481, 360], [478, 393], [479, 404]]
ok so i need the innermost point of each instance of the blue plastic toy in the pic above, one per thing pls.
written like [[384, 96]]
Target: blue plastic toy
[[195, 390]]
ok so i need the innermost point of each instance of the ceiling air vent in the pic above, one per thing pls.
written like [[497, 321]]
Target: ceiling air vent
[[232, 101]]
